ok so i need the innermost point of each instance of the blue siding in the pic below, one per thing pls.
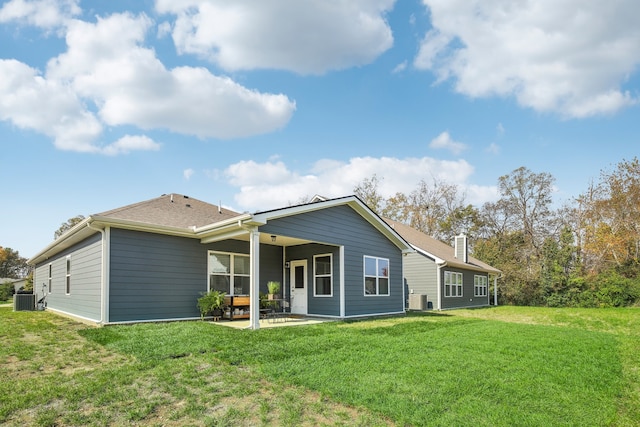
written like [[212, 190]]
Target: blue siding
[[467, 299], [154, 277], [86, 273], [321, 306], [158, 277], [341, 225]]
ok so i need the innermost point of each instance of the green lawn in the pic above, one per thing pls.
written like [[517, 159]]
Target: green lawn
[[500, 366]]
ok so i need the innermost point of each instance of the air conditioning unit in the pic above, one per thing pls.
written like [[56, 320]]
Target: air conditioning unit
[[24, 302], [417, 302]]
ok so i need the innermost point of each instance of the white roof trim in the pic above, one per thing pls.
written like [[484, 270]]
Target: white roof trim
[[212, 232], [430, 255], [354, 202]]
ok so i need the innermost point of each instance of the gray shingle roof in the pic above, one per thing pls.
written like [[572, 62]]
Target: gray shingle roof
[[435, 247], [172, 210]]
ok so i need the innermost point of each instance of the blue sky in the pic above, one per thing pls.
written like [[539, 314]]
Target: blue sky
[[259, 104]]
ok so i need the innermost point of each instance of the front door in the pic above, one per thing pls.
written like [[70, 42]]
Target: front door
[[298, 281]]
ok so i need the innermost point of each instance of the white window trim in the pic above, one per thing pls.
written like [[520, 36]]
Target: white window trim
[[364, 277], [451, 285], [67, 277], [482, 286], [231, 273], [330, 275]]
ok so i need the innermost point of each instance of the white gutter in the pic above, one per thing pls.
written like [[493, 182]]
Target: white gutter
[[63, 238], [236, 220], [104, 280], [439, 288]]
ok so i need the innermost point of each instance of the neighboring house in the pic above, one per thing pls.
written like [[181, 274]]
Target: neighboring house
[[18, 284], [150, 261], [449, 277]]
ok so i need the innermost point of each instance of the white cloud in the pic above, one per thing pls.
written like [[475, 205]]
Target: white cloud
[[107, 77], [571, 58], [30, 101], [500, 129], [400, 67], [444, 141], [188, 173], [493, 148], [164, 29], [46, 14], [129, 143], [272, 184], [309, 37]]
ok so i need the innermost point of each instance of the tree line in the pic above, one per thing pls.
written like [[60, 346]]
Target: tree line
[[584, 253]]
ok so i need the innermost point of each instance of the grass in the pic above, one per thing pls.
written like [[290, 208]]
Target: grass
[[498, 366]]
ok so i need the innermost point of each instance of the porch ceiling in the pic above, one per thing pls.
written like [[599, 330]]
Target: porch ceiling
[[265, 238]]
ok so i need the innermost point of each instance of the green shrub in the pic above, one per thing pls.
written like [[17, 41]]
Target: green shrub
[[210, 301], [6, 291]]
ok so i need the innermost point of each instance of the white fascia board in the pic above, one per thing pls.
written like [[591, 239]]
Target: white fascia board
[[463, 266], [227, 229], [443, 263], [82, 230], [66, 240], [240, 219], [100, 221], [430, 255], [210, 238], [300, 209]]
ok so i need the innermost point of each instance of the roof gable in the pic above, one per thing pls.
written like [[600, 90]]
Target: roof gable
[[353, 202]]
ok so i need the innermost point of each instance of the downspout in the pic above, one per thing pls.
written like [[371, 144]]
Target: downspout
[[439, 282], [104, 294]]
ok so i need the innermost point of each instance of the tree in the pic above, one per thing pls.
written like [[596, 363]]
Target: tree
[[529, 196], [12, 265], [558, 262], [611, 224], [463, 219], [433, 208], [513, 231], [65, 226], [368, 192]]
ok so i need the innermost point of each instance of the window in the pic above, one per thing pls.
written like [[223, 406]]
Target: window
[[229, 273], [68, 276], [452, 284], [322, 276], [376, 276], [50, 276], [480, 286]]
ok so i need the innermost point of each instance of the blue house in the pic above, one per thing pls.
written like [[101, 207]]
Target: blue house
[[150, 261]]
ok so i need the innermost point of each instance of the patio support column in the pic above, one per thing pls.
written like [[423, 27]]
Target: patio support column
[[495, 290], [254, 289], [343, 310]]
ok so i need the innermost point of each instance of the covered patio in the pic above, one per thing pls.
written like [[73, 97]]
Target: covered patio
[[271, 323]]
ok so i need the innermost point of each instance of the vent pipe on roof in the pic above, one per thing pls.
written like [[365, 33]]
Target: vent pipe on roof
[[220, 206], [171, 197]]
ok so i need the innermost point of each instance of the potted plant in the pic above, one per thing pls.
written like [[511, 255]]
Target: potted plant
[[273, 288], [211, 302]]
